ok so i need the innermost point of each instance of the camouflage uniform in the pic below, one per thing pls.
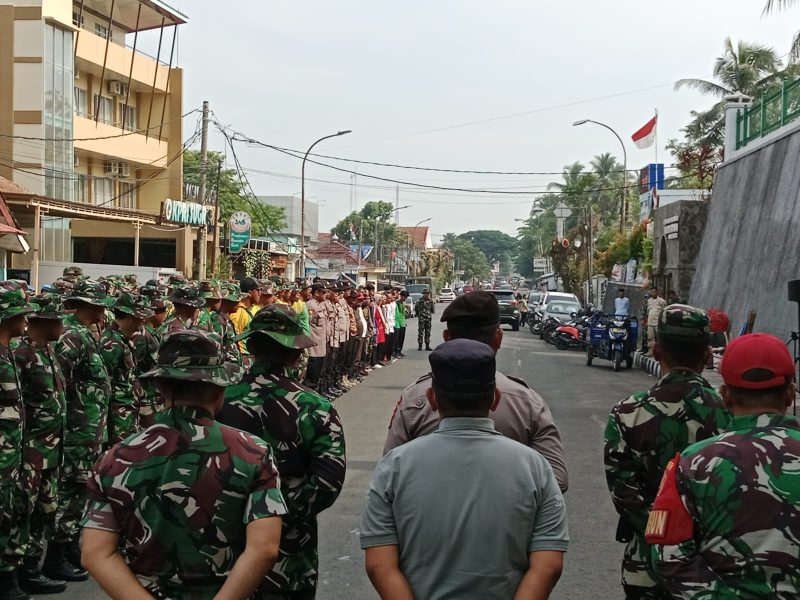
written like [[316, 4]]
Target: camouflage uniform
[[43, 394], [305, 434], [181, 492], [145, 351], [120, 357], [643, 433], [13, 302], [425, 310], [88, 393], [188, 296]]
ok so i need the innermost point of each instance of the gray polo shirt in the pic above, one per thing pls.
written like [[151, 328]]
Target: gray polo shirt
[[466, 506]]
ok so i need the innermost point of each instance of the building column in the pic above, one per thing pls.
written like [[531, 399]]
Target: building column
[[183, 251], [733, 104], [136, 231], [37, 234]]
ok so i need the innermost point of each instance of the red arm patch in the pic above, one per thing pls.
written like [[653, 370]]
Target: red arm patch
[[669, 523]]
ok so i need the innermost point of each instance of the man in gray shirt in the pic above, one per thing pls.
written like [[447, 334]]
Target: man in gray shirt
[[521, 414], [464, 513]]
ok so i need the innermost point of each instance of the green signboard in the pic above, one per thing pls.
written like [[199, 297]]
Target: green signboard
[[240, 225]]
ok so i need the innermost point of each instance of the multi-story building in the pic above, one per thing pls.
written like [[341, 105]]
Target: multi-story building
[[92, 127]]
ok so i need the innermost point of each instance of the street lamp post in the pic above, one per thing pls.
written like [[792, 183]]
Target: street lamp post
[[414, 233], [623, 209], [303, 200]]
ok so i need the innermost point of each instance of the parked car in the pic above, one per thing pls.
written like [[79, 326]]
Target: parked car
[[509, 307], [563, 310], [534, 299], [446, 295], [550, 296]]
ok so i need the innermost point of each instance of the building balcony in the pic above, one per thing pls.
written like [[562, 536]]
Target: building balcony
[[132, 148]]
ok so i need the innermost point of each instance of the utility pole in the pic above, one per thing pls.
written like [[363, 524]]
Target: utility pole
[[201, 192], [397, 205], [215, 248]]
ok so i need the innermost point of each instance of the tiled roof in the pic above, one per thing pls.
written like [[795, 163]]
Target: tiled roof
[[418, 235]]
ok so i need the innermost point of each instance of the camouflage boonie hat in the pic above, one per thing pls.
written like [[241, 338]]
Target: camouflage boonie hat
[[194, 356], [72, 271], [681, 321], [62, 286], [232, 293], [187, 295], [156, 295], [47, 306], [282, 324], [178, 280], [209, 290], [91, 292], [13, 301], [133, 304]]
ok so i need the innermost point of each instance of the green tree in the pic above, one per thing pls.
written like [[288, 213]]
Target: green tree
[[495, 245], [467, 257], [371, 226], [746, 68], [232, 194]]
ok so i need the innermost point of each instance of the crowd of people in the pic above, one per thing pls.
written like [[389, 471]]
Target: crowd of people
[[179, 441]]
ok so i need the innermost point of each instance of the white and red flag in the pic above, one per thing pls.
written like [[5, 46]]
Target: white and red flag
[[646, 136]]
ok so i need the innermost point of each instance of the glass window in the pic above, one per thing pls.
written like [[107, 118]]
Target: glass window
[[81, 193], [127, 195], [59, 108], [103, 191], [101, 30], [81, 107], [128, 117], [104, 109]]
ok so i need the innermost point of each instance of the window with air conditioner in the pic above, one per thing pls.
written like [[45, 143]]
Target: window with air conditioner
[[81, 106], [104, 109], [127, 195], [129, 117], [103, 191]]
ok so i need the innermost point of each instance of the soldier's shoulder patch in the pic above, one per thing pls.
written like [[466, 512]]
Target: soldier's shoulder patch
[[669, 522], [517, 380]]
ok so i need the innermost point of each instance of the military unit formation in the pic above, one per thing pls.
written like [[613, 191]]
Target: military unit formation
[[179, 440]]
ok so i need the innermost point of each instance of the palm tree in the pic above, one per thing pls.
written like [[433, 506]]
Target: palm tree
[[777, 4], [609, 174], [746, 68]]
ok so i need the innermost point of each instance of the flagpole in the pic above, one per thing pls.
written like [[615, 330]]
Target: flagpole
[[656, 144]]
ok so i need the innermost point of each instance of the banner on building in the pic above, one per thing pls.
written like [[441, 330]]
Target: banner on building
[[240, 225], [187, 213]]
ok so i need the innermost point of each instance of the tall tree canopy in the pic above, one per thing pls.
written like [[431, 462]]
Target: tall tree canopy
[[232, 195], [467, 257], [495, 245], [371, 226]]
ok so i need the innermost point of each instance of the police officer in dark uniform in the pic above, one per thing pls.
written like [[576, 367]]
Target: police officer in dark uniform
[[521, 413]]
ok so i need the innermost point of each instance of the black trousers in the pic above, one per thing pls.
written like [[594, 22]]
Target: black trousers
[[391, 338], [316, 364], [401, 339]]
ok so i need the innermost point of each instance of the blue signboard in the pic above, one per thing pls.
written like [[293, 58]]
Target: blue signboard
[[652, 176]]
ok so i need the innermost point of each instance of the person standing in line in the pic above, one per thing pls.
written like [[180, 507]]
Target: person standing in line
[[400, 325], [725, 522], [655, 306], [318, 324], [644, 432], [432, 501], [425, 310], [389, 309], [197, 505], [306, 437], [186, 304], [14, 307], [622, 304]]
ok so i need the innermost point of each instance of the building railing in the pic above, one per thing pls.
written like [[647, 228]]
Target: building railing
[[768, 114]]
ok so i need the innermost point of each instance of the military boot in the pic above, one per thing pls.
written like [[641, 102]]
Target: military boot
[[9, 588], [73, 553], [56, 566], [33, 581]]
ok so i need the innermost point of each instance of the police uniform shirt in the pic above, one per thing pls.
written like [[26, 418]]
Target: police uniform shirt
[[466, 506], [521, 415], [330, 309], [318, 319]]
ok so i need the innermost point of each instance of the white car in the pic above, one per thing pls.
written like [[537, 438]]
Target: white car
[[446, 295]]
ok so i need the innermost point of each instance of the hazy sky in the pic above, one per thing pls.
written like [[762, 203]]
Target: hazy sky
[[290, 72]]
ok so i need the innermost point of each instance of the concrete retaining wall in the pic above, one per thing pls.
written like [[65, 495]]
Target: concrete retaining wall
[[751, 243]]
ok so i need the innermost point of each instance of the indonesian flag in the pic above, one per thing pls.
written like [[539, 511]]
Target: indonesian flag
[[646, 136]]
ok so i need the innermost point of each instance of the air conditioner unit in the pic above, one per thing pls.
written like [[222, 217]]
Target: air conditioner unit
[[112, 167], [117, 88], [124, 169]]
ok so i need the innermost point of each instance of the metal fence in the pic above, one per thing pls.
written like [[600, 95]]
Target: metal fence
[[768, 114]]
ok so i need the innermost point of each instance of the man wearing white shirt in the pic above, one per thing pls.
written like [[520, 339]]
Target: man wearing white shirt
[[622, 304]]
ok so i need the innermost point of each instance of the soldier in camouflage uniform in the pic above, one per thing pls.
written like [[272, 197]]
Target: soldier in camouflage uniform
[[43, 395], [646, 430], [86, 428], [72, 274], [726, 520], [118, 349], [186, 304], [304, 432], [197, 504], [425, 310], [146, 350], [208, 320], [13, 308]]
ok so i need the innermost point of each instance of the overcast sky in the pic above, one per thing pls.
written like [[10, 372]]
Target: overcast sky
[[400, 74]]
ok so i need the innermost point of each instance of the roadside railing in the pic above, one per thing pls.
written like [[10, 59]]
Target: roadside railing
[[768, 114]]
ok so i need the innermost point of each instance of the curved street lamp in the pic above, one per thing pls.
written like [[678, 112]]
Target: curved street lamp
[[623, 208], [303, 200]]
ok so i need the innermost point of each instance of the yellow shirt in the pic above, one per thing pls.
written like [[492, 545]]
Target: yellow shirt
[[241, 319]]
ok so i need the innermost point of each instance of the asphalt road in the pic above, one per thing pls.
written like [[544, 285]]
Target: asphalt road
[[580, 398]]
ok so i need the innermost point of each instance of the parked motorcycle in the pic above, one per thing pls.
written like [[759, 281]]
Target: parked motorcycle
[[535, 322], [573, 334], [612, 338], [548, 332]]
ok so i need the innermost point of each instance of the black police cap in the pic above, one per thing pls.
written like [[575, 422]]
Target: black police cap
[[463, 365], [476, 309]]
